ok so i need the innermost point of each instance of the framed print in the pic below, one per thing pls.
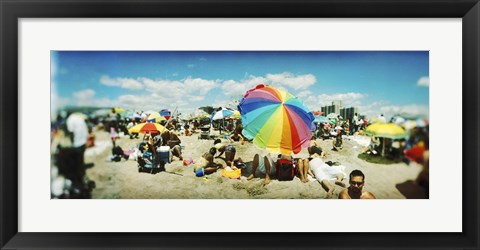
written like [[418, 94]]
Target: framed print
[[239, 124]]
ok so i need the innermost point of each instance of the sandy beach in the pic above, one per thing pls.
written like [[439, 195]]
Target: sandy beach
[[121, 180]]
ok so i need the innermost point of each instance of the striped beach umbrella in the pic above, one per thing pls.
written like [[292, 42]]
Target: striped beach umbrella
[[275, 120], [147, 128]]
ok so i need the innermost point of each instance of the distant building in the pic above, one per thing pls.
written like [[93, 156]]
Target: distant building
[[334, 108], [337, 108], [348, 113]]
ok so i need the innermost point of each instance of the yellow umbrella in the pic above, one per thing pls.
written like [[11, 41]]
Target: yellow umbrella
[[376, 120], [148, 127], [155, 117], [119, 110], [386, 130]]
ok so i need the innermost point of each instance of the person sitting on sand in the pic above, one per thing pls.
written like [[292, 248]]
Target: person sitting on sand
[[324, 173], [355, 190], [302, 169], [187, 130], [237, 137], [265, 165], [337, 142], [373, 146], [207, 162], [315, 149], [169, 138]]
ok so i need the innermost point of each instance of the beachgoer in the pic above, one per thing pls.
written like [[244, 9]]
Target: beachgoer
[[355, 123], [229, 150], [77, 129], [338, 143], [355, 190], [174, 143], [237, 137], [315, 149], [265, 165], [207, 162], [303, 169], [324, 172], [373, 146]]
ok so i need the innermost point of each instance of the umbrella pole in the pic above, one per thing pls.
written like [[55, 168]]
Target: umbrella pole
[[383, 148]]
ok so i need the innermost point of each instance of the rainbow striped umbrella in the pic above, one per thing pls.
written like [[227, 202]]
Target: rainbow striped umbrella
[[275, 120]]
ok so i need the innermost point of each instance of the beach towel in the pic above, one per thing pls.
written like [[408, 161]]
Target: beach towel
[[232, 174]]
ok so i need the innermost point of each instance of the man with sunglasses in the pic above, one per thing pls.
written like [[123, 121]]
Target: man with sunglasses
[[355, 190]]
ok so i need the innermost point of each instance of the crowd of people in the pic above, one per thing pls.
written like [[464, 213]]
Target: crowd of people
[[281, 167]]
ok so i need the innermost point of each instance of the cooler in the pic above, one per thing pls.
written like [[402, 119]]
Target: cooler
[[163, 154]]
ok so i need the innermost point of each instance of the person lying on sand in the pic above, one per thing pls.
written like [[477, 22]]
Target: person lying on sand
[[265, 165], [324, 172]]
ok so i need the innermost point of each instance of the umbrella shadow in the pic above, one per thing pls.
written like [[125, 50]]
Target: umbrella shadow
[[411, 190]]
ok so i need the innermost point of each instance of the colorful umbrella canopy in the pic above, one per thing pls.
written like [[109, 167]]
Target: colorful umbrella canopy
[[119, 110], [223, 113], [386, 130], [321, 119], [275, 120], [235, 116], [165, 113], [155, 117], [332, 116], [149, 127]]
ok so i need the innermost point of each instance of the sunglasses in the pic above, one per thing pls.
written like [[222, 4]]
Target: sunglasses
[[356, 183]]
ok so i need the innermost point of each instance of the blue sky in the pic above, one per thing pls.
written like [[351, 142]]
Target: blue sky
[[374, 81]]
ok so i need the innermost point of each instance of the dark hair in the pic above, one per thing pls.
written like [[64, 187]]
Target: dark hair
[[357, 172], [212, 150], [314, 150], [217, 141]]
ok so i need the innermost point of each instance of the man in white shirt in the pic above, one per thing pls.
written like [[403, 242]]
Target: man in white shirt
[[78, 129]]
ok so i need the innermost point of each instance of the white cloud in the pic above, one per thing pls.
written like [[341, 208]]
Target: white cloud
[[316, 102], [412, 109], [424, 82], [292, 81], [125, 83], [191, 65], [86, 97], [84, 94], [284, 81], [304, 94]]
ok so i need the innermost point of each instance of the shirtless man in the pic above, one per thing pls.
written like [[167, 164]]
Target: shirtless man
[[355, 190]]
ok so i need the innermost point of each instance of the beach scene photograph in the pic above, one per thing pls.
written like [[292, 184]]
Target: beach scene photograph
[[239, 125]]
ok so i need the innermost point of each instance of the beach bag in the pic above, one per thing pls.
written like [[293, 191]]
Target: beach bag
[[285, 170]]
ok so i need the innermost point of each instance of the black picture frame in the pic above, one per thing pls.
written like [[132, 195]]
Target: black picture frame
[[11, 11]]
